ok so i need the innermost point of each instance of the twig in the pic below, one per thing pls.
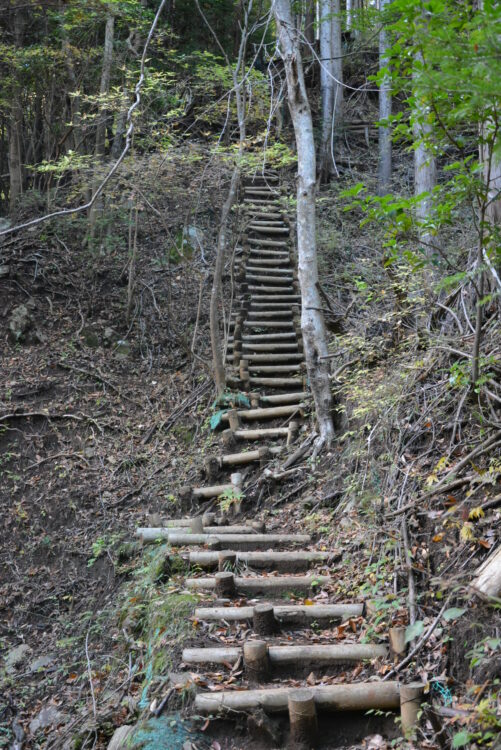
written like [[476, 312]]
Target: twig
[[419, 645]]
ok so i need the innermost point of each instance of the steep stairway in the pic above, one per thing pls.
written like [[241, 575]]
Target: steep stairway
[[267, 609]]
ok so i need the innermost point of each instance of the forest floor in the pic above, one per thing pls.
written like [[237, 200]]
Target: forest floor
[[102, 419]]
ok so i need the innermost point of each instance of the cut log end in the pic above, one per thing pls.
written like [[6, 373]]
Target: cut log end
[[225, 585], [256, 660], [303, 719], [264, 621]]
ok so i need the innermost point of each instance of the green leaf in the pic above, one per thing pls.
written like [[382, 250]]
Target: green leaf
[[413, 631], [453, 613], [461, 739]]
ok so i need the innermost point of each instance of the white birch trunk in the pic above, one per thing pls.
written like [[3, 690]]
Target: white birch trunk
[[385, 155], [312, 323]]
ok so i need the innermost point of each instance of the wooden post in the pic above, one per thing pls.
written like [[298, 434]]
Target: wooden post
[[398, 646], [185, 496], [236, 482], [256, 660], [227, 561], [234, 420], [229, 440], [293, 433], [265, 455], [303, 719], [259, 526], [410, 704], [208, 519], [197, 525], [212, 466], [244, 373], [225, 585], [263, 619], [254, 398]]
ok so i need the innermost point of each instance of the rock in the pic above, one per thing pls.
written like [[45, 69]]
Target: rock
[[16, 657], [120, 737], [49, 716], [180, 679], [20, 323], [90, 337], [122, 349], [41, 663]]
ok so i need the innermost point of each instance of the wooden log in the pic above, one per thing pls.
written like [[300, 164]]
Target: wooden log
[[212, 466], [284, 614], [262, 434], [291, 562], [272, 314], [285, 398], [273, 357], [270, 280], [264, 291], [271, 262], [251, 338], [263, 619], [226, 560], [257, 229], [247, 457], [197, 526], [212, 491], [244, 372], [297, 656], [256, 660], [268, 323], [411, 696], [275, 368], [224, 585], [303, 719], [208, 519], [266, 243], [252, 586], [272, 412], [487, 582], [398, 646], [229, 438], [244, 542], [153, 534], [360, 696], [277, 382], [275, 298]]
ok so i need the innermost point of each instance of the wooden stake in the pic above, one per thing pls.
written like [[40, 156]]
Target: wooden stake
[[398, 646], [197, 525], [410, 705], [256, 660], [303, 719], [263, 618], [292, 433], [234, 419], [227, 561], [225, 585]]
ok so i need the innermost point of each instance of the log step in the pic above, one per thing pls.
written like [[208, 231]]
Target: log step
[[275, 368], [247, 457], [263, 434], [268, 336], [275, 297], [273, 412], [268, 323], [267, 243], [286, 280], [270, 261], [270, 348], [258, 229], [262, 269], [316, 656], [285, 291], [237, 541], [153, 534], [285, 398], [260, 202], [277, 382], [361, 696], [273, 357], [280, 561], [253, 586], [272, 313]]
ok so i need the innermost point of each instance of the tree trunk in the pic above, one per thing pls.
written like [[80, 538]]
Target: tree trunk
[[312, 322], [425, 171], [331, 77], [487, 582], [384, 171], [100, 146], [16, 121]]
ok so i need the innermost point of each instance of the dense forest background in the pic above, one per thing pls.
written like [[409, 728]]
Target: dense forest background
[[126, 128]]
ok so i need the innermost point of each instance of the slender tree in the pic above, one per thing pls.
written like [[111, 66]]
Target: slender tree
[[312, 322], [16, 116], [331, 77], [385, 103]]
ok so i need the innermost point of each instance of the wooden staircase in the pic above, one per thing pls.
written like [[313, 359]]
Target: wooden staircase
[[269, 585]]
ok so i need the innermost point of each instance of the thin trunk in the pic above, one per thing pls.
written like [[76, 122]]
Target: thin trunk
[[312, 323], [120, 127], [425, 170], [16, 122], [384, 171], [100, 146], [331, 78], [309, 24]]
